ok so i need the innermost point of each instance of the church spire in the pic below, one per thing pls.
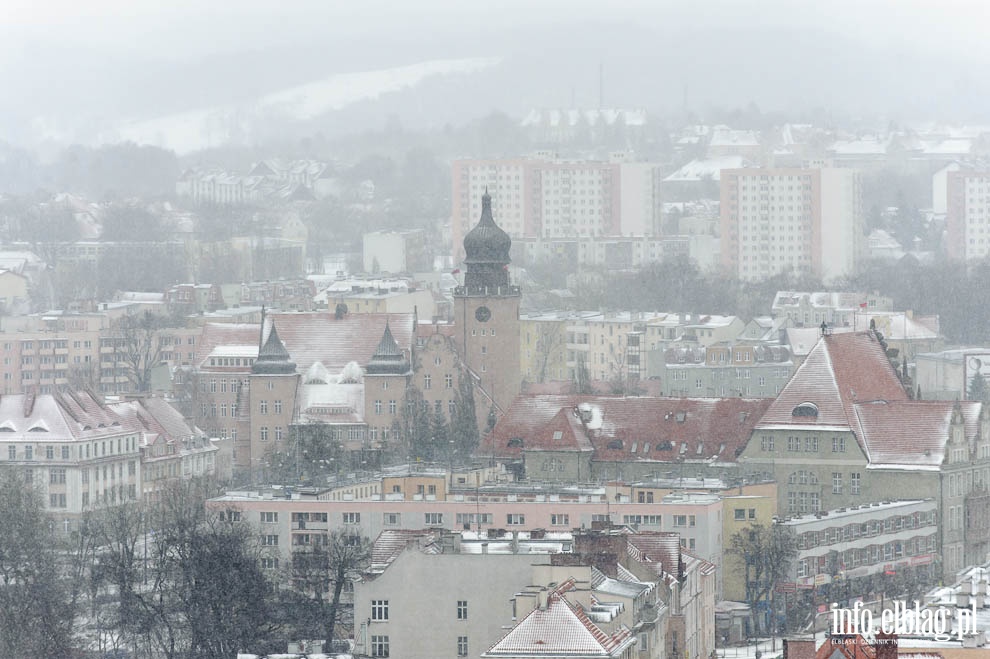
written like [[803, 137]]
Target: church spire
[[273, 358], [388, 358]]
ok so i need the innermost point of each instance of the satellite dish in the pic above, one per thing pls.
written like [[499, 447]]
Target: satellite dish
[[975, 363]]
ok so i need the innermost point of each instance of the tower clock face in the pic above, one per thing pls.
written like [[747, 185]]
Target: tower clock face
[[483, 314]]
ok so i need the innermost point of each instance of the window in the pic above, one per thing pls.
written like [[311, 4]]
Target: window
[[57, 500], [433, 519], [269, 540], [515, 519], [352, 518], [379, 609], [838, 445], [264, 433], [391, 407], [65, 452], [558, 519], [50, 452], [378, 407], [462, 609], [448, 381], [793, 444], [278, 433], [263, 407], [56, 476], [379, 646], [462, 646], [427, 381], [836, 482], [11, 452], [278, 407], [268, 517], [739, 514], [269, 563], [680, 520], [766, 443], [854, 482], [811, 444], [752, 513], [391, 519]]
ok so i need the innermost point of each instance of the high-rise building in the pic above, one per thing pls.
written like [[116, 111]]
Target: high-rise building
[[967, 220], [809, 221], [547, 198]]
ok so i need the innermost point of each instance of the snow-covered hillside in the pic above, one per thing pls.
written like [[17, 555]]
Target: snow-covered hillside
[[206, 127]]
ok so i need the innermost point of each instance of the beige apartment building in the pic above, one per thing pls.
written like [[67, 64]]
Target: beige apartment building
[[550, 198], [809, 221]]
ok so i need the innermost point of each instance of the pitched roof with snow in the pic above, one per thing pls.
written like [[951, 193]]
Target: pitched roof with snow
[[560, 630], [59, 417], [711, 168], [617, 428], [391, 543], [913, 434], [315, 336], [321, 336], [841, 370]]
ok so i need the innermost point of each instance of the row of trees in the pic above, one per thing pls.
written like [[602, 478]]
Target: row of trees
[[953, 290], [168, 580]]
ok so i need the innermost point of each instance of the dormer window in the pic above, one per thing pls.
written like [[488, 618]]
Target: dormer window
[[615, 444], [515, 442], [806, 409]]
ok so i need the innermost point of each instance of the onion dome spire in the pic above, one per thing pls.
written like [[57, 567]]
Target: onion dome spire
[[486, 249]]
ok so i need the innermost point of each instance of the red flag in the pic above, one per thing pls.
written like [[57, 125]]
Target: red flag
[[455, 271], [862, 305]]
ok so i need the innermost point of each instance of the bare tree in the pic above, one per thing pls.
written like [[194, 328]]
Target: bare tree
[[548, 344], [320, 570], [767, 552], [138, 345]]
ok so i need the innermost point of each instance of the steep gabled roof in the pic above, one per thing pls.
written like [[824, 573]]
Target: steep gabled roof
[[560, 630], [840, 371]]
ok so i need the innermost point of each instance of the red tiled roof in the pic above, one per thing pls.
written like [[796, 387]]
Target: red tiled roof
[[661, 552], [912, 433], [321, 336], [225, 334], [841, 370], [648, 429]]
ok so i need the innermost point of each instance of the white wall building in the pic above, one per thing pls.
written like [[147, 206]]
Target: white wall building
[[806, 220]]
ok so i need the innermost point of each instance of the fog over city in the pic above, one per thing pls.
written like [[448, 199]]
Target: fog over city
[[78, 71], [628, 329]]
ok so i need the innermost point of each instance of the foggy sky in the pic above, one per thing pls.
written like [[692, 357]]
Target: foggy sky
[[100, 61]]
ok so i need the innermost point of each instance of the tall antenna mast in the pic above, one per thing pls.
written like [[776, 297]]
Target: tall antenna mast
[[601, 85]]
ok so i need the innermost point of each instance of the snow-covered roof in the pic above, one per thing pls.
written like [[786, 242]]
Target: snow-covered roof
[[711, 168]]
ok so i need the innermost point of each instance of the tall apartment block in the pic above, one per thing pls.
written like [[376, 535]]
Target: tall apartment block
[[545, 198], [967, 219], [806, 220]]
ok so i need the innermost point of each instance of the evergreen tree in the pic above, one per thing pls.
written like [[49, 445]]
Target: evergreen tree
[[464, 421], [978, 389]]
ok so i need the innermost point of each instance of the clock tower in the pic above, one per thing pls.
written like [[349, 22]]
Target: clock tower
[[486, 310]]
